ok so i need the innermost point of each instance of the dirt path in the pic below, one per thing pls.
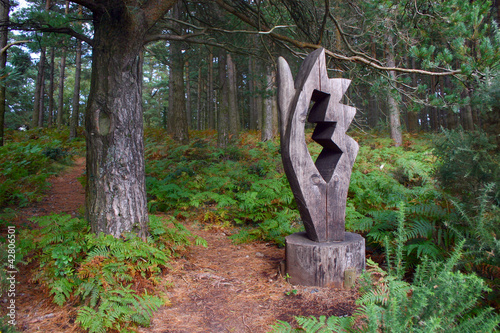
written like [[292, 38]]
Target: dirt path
[[221, 288]]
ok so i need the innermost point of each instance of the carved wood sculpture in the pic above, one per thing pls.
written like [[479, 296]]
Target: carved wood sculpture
[[320, 189]]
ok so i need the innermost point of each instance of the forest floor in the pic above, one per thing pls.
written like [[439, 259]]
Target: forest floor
[[220, 288]]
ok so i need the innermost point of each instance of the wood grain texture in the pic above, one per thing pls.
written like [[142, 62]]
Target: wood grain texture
[[320, 189], [310, 263]]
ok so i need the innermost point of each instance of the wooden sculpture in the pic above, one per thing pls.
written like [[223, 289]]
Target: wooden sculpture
[[320, 188]]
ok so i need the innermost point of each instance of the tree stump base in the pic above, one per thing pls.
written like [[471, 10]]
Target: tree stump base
[[310, 263]]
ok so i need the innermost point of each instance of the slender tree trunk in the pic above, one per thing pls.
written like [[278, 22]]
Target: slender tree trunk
[[223, 112], [4, 31], [188, 96], [466, 112], [232, 98], [170, 112], [116, 192], [51, 87], [76, 90], [394, 112], [210, 92], [42, 100], [198, 100], [252, 117], [259, 105], [178, 105], [269, 120], [60, 104], [38, 87]]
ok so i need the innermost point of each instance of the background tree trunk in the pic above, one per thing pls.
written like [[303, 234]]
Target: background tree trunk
[[38, 88], [466, 112], [178, 102], [4, 32], [232, 91], [394, 112], [223, 111], [51, 87], [269, 115], [210, 92], [60, 104], [41, 107], [76, 92], [198, 101], [188, 96]]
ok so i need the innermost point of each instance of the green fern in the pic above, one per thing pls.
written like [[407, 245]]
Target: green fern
[[439, 299], [99, 269]]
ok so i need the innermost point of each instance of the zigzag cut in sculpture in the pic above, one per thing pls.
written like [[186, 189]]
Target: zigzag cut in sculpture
[[320, 189]]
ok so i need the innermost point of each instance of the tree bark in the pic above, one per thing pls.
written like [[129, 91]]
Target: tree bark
[[188, 96], [60, 104], [76, 92], [4, 31], [198, 100], [252, 122], [178, 101], [210, 92], [466, 112], [269, 124], [42, 96], [394, 112], [115, 192], [51, 87], [232, 98], [38, 86], [223, 112]]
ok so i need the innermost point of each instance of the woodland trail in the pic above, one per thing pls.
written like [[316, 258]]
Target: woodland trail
[[221, 288]]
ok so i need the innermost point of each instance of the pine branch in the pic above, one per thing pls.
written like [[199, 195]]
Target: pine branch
[[306, 45], [6, 47]]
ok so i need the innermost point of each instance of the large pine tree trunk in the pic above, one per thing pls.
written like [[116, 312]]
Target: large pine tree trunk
[[115, 193]]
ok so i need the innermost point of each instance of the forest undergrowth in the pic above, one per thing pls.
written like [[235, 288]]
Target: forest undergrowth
[[443, 188]]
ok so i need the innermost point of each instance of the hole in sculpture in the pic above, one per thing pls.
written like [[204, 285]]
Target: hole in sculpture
[[323, 135]]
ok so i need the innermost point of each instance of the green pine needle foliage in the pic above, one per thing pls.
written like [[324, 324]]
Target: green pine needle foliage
[[98, 271]]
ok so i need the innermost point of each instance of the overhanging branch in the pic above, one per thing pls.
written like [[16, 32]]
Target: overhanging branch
[[91, 5], [6, 47], [69, 31], [306, 45], [30, 26]]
